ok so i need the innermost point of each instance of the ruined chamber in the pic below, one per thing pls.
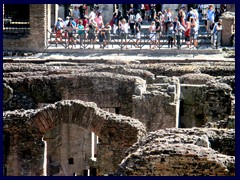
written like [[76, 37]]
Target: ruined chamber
[[113, 117]]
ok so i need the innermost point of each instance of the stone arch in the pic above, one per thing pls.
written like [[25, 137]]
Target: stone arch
[[117, 132]]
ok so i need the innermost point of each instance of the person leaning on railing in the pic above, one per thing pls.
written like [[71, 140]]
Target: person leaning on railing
[[187, 34], [80, 32], [152, 36], [91, 32], [70, 29], [179, 29], [138, 31], [158, 30], [107, 30], [58, 29], [194, 32], [124, 32], [170, 35]]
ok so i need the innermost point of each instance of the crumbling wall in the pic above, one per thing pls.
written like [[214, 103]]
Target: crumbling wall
[[180, 152], [105, 89], [157, 107], [203, 99], [23, 145], [117, 134]]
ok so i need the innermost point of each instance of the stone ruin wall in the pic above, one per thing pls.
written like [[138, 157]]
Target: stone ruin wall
[[36, 40], [156, 94], [181, 152], [28, 144]]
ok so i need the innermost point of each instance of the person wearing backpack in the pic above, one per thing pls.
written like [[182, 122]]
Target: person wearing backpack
[[58, 30]]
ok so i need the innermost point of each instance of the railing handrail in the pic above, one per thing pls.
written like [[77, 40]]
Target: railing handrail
[[117, 39]]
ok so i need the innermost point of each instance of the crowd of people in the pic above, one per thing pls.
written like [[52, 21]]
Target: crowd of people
[[91, 26]]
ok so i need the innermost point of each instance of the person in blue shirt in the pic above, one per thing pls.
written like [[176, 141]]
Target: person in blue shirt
[[210, 16]]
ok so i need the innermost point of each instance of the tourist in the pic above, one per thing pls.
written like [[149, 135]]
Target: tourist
[[216, 34], [82, 9], [131, 21], [170, 35], [123, 32], [107, 38], [70, 29], [65, 23], [187, 34], [92, 14], [143, 11], [147, 12], [76, 14], [91, 32], [194, 32], [182, 17], [138, 32], [158, 30], [179, 29], [80, 32], [210, 16], [101, 35], [190, 14], [58, 28], [167, 18], [99, 19], [153, 12], [138, 15], [152, 31]]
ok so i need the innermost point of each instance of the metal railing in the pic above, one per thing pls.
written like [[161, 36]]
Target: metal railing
[[204, 40]]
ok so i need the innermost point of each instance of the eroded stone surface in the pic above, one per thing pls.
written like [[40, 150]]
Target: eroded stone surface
[[159, 95], [179, 152]]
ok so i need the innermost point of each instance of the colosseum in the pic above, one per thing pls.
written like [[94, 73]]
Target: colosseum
[[114, 112]]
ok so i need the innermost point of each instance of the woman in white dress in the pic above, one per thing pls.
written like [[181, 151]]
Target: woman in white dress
[[152, 31], [124, 32]]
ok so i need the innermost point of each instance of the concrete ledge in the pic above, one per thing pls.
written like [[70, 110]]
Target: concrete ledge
[[133, 51]]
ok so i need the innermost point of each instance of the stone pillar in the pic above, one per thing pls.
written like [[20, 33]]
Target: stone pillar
[[54, 13], [38, 24], [228, 20]]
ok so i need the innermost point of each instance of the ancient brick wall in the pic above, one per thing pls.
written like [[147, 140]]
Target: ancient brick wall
[[203, 100], [37, 38], [148, 92], [106, 89], [109, 127]]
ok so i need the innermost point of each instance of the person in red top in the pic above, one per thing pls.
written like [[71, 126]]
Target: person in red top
[[85, 21], [187, 34], [147, 10]]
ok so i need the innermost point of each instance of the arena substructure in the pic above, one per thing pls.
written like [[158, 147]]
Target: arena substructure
[[119, 117]]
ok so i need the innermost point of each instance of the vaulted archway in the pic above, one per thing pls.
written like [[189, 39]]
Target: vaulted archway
[[117, 133]]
